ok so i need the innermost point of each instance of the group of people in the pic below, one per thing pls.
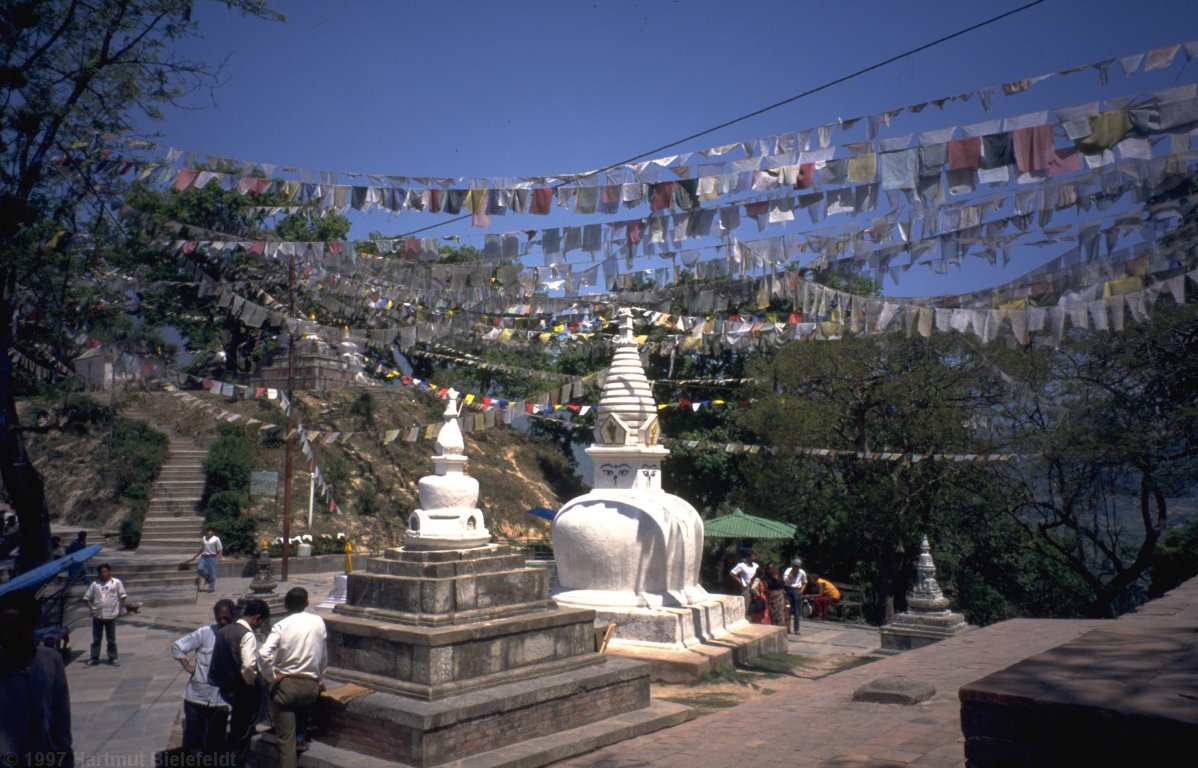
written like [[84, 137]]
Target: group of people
[[230, 673], [773, 598]]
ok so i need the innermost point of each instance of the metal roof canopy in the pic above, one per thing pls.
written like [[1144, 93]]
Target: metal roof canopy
[[738, 525]]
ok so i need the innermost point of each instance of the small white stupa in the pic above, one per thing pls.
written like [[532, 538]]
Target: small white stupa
[[448, 517], [627, 543]]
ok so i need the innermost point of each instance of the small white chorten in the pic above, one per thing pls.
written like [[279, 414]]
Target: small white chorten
[[627, 543], [448, 517]]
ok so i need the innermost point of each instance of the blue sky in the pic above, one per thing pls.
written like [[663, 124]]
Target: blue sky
[[541, 88]]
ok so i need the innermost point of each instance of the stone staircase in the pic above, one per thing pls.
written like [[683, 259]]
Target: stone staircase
[[159, 572]]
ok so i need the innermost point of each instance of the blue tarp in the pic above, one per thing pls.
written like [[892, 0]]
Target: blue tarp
[[545, 513], [43, 573]]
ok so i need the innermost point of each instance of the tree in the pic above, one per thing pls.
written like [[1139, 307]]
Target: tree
[[1113, 422], [856, 516], [71, 73]]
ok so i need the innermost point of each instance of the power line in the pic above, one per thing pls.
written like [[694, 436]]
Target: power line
[[775, 105]]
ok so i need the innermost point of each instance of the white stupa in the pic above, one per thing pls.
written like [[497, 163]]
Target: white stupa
[[627, 543], [448, 517]]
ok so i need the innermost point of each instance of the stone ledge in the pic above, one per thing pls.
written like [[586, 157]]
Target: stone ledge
[[1119, 694], [503, 697], [361, 622], [669, 665], [531, 753]]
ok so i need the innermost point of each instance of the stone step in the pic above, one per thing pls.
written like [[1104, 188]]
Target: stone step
[[137, 565], [191, 540], [172, 506], [170, 531], [172, 521], [168, 548], [137, 584]]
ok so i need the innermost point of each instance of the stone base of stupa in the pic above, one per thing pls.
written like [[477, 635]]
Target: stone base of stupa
[[683, 643], [459, 653], [911, 630]]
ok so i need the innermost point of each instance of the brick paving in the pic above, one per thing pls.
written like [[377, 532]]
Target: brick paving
[[815, 722], [121, 715]]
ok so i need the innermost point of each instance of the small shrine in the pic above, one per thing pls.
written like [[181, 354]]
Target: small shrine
[[631, 552], [451, 648], [928, 618], [447, 518]]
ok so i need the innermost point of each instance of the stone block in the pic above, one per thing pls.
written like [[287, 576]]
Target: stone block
[[894, 690], [417, 733], [1088, 702]]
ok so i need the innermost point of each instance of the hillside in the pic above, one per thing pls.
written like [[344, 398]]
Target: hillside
[[373, 483]]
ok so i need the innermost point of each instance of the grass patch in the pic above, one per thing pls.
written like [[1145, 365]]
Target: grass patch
[[727, 674], [855, 661], [774, 664], [707, 701], [765, 666]]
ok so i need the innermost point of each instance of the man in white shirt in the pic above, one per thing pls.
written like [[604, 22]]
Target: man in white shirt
[[105, 599], [209, 554], [234, 670], [744, 571], [795, 579], [205, 713], [293, 661]]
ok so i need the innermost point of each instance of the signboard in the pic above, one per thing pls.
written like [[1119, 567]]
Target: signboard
[[264, 482]]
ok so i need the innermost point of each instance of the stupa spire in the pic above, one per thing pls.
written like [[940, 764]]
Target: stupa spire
[[627, 413]]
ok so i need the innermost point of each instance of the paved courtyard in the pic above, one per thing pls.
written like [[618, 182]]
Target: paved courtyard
[[122, 715]]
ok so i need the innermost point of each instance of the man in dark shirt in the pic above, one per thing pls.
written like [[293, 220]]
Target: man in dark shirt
[[234, 671], [35, 707]]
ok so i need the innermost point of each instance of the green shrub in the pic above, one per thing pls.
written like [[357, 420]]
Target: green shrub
[[131, 531], [223, 505], [335, 471], [85, 414], [1176, 559], [137, 492], [229, 462], [239, 535], [367, 500], [363, 408]]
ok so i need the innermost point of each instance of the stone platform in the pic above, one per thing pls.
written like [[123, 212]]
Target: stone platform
[[683, 643], [464, 653], [1122, 694]]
